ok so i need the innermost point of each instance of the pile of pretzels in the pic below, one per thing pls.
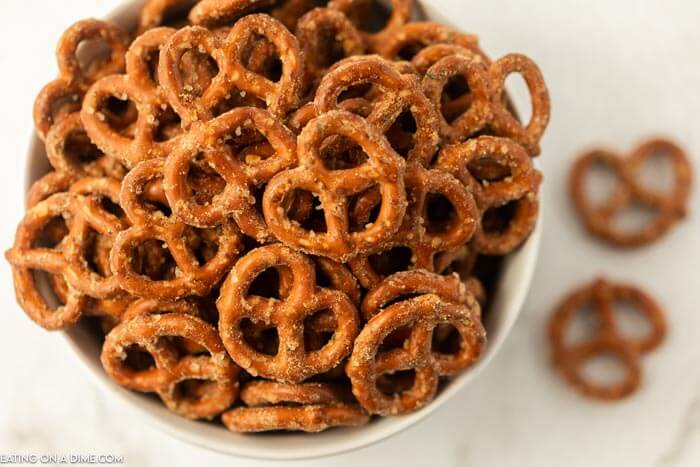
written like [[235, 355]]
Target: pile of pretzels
[[276, 212]]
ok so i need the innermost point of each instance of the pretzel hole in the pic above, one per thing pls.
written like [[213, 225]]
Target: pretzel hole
[[340, 153], [197, 70], [187, 347], [630, 321], [396, 259], [92, 54], [600, 183], [79, 148], [518, 91], [583, 326], [397, 382], [488, 170], [635, 217], [262, 57], [51, 233], [355, 91], [364, 208], [202, 243], [263, 339], [193, 389], [401, 134], [315, 221], [63, 106], [410, 49], [657, 173], [327, 47], [52, 288], [94, 256], [318, 330], [604, 368], [497, 219], [137, 358], [119, 114], [175, 14], [446, 339], [153, 260], [439, 213], [168, 125], [154, 198], [272, 283]]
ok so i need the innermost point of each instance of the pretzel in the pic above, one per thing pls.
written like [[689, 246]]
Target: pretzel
[[506, 124], [149, 135], [242, 172], [383, 168], [410, 38], [290, 11], [430, 55], [669, 207], [423, 238], [193, 276], [303, 298], [212, 13], [421, 315], [398, 93], [517, 184], [157, 13], [233, 77], [569, 358], [319, 406], [50, 184], [62, 96], [401, 12], [172, 372]]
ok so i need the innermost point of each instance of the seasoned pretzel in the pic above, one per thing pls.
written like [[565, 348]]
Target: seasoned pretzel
[[669, 207], [397, 93], [261, 393], [607, 339], [62, 96], [517, 183], [157, 13], [401, 12], [421, 314], [242, 171], [233, 78], [383, 168], [292, 362], [504, 123], [171, 372], [49, 184], [211, 13], [410, 38], [429, 56], [146, 137], [193, 276], [309, 418], [423, 238]]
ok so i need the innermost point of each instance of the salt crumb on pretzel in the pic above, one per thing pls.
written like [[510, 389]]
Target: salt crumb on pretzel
[[669, 207], [606, 338]]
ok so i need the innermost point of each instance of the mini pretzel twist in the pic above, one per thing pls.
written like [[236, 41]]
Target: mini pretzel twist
[[62, 96], [406, 41], [425, 239], [318, 406], [607, 339], [498, 172], [420, 317], [213, 375], [302, 298], [243, 170], [383, 168], [147, 136], [193, 276], [232, 78], [669, 207]]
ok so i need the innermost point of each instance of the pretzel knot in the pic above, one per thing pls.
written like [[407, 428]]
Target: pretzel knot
[[669, 207], [441, 216], [244, 167], [62, 96], [394, 95], [193, 385], [200, 258], [419, 317], [128, 116], [307, 407], [302, 299], [500, 174], [607, 339], [232, 78], [383, 168]]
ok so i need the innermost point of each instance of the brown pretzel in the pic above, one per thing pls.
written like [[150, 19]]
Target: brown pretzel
[[233, 78], [421, 315], [243, 170], [317, 406], [429, 56], [303, 298], [426, 240], [607, 339], [290, 11], [49, 184], [62, 96], [504, 123], [157, 13], [410, 38], [172, 372], [193, 276], [669, 207], [212, 13], [397, 93], [151, 133], [383, 168], [517, 183], [401, 12]]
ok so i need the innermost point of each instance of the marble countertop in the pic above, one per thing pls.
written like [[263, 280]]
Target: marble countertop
[[618, 71]]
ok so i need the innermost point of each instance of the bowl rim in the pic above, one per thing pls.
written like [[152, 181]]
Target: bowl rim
[[527, 254]]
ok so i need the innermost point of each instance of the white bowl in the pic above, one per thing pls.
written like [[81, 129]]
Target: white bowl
[[511, 290]]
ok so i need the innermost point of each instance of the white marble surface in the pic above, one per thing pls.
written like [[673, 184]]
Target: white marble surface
[[617, 70]]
